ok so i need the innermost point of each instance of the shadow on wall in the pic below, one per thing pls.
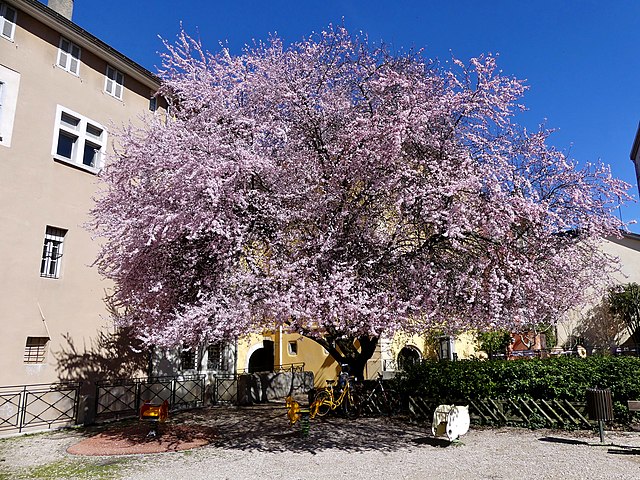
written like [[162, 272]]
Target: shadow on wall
[[599, 329], [108, 356]]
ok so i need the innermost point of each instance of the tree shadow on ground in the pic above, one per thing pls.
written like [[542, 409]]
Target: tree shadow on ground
[[132, 437], [265, 428]]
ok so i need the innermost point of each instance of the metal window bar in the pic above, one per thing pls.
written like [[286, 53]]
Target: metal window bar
[[52, 252], [188, 359], [35, 349], [215, 356]]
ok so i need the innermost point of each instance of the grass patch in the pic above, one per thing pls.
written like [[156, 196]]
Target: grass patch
[[101, 469]]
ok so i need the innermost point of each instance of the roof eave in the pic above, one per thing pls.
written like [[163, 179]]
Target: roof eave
[[636, 145], [85, 40]]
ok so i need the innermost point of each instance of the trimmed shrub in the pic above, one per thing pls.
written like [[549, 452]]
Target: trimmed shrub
[[558, 377]]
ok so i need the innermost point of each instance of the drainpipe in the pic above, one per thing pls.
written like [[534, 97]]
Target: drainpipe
[[280, 347]]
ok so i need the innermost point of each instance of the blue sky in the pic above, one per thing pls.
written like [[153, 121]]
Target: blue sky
[[581, 59]]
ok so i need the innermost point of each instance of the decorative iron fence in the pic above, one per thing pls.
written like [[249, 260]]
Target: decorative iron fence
[[38, 406], [512, 411], [225, 388], [122, 397]]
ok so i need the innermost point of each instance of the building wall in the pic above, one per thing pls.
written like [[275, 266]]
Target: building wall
[[588, 323], [36, 192]]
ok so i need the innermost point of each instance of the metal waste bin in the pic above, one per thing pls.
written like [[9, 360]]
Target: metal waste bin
[[600, 407], [599, 404]]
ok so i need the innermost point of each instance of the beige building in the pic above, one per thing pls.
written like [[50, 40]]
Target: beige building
[[593, 326], [62, 91]]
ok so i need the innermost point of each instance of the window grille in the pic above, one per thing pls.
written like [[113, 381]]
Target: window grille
[[188, 359], [215, 359], [35, 349], [52, 252]]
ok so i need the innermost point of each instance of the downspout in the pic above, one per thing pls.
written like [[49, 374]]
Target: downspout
[[280, 346]]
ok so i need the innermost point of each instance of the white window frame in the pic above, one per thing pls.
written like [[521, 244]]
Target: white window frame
[[292, 348], [52, 251], [112, 86], [3, 88], [9, 85], [4, 21], [447, 348], [81, 135], [66, 56]]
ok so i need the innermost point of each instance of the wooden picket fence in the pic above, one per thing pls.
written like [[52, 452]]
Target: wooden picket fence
[[511, 411]]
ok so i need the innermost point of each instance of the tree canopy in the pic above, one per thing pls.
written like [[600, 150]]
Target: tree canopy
[[344, 191]]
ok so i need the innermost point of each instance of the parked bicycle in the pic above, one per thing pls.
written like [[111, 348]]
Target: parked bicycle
[[381, 400], [341, 395]]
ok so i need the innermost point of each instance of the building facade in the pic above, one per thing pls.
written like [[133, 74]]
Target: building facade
[[62, 93]]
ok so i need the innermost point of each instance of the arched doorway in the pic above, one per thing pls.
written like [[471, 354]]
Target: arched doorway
[[408, 356], [261, 360]]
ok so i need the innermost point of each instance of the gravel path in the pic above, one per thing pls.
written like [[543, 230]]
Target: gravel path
[[257, 442]]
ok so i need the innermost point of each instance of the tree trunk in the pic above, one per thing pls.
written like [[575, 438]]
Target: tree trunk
[[351, 351]]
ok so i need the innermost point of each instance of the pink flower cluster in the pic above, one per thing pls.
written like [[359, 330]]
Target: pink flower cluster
[[333, 185]]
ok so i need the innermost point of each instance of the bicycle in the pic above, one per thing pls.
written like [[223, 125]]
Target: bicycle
[[380, 400], [328, 400]]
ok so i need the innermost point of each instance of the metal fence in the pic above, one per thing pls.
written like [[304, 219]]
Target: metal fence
[[38, 406], [122, 397], [225, 388]]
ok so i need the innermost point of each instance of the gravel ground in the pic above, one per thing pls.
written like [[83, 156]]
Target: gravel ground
[[257, 442]]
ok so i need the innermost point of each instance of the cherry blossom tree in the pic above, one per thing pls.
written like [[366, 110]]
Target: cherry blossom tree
[[344, 192]]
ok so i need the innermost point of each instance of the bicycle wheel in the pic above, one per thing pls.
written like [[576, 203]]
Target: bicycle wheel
[[323, 403], [351, 406]]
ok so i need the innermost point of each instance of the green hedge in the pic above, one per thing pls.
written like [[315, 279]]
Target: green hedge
[[560, 378]]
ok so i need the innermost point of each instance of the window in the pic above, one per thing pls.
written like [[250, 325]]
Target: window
[[214, 357], [69, 56], [9, 85], [447, 349], [52, 252], [2, 89], [153, 104], [35, 349], [113, 83], [293, 348], [188, 359], [7, 21], [78, 140]]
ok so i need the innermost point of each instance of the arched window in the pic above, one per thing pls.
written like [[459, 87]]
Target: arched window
[[408, 356]]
